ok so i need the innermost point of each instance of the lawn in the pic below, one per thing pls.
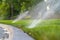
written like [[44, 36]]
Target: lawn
[[47, 30]]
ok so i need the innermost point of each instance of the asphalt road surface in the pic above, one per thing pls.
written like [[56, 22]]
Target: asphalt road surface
[[8, 32]]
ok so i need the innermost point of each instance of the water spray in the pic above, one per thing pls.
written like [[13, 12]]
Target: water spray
[[45, 0], [21, 16], [35, 22], [45, 9], [48, 8]]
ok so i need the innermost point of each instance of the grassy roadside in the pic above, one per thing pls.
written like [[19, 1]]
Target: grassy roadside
[[47, 30], [18, 23]]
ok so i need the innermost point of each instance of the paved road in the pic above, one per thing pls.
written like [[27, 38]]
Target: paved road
[[15, 33]]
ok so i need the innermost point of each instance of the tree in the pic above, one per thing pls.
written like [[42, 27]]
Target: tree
[[11, 8]]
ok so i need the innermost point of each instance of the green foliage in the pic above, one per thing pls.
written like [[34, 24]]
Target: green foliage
[[3, 9], [11, 8]]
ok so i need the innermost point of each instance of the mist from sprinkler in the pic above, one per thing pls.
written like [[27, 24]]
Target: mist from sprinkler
[[50, 10], [21, 16], [44, 9]]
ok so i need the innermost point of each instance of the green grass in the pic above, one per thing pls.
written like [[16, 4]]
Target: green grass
[[47, 30], [18, 23]]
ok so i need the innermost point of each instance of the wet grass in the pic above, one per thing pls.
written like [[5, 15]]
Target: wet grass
[[47, 30]]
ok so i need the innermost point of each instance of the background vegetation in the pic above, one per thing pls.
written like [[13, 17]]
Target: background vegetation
[[9, 9]]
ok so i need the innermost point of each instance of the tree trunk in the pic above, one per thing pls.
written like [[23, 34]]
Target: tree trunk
[[11, 11]]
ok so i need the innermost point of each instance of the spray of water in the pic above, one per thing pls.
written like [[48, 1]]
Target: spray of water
[[21, 16], [48, 13], [42, 11]]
